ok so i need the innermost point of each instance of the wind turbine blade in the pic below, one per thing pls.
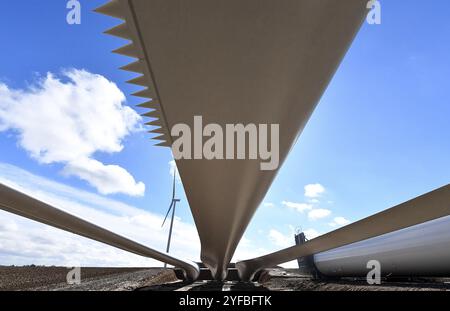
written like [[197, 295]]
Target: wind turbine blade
[[167, 214], [23, 205], [253, 80], [424, 208]]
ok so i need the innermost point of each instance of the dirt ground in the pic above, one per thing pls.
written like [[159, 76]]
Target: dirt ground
[[157, 279], [54, 278], [291, 280]]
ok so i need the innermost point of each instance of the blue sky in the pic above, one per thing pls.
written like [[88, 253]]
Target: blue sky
[[379, 136]]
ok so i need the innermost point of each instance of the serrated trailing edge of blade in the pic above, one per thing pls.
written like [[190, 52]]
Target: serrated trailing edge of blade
[[112, 8], [122, 9], [129, 50], [145, 93], [120, 31], [140, 80], [136, 66]]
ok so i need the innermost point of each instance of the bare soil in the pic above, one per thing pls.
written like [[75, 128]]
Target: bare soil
[[157, 279], [54, 278], [291, 280]]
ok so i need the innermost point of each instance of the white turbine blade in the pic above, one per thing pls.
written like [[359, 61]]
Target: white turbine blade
[[18, 203], [433, 205], [269, 64]]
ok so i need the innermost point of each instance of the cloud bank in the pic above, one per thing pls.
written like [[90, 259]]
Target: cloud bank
[[67, 120]]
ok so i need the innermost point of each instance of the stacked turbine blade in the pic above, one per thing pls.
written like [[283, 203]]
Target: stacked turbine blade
[[120, 9]]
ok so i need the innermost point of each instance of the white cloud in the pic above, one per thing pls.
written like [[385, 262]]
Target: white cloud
[[8, 225], [314, 190], [318, 213], [268, 204], [281, 240], [339, 221], [67, 120], [286, 240], [173, 168], [244, 252], [311, 233], [247, 249], [106, 178], [300, 207], [290, 264]]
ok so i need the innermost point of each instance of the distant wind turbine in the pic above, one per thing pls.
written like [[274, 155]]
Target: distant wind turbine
[[173, 204]]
